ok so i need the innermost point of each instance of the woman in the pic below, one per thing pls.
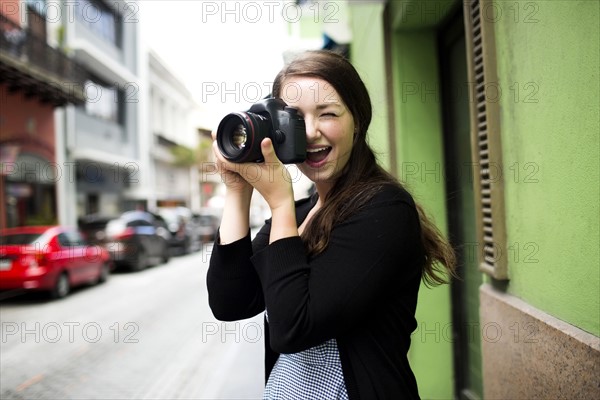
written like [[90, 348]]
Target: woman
[[338, 273]]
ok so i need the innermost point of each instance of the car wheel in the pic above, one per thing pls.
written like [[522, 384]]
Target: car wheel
[[104, 272], [187, 246], [166, 254], [141, 261], [62, 287]]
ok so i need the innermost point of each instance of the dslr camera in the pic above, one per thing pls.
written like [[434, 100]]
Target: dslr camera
[[239, 134]]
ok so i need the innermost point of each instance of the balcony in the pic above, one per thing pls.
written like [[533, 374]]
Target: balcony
[[30, 65]]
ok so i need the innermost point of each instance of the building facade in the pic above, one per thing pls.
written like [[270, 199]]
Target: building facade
[[35, 79], [174, 138], [488, 111], [102, 146]]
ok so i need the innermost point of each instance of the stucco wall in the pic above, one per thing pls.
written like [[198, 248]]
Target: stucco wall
[[548, 56]]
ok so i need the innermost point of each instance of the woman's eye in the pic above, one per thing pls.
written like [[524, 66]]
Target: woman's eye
[[328, 115]]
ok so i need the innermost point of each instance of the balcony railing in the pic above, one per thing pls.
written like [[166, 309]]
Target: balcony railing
[[29, 64]]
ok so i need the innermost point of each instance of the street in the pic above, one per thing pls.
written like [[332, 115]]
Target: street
[[144, 335]]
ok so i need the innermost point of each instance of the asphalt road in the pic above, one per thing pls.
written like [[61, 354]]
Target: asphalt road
[[144, 335]]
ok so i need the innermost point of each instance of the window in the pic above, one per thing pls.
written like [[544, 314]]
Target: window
[[138, 222], [485, 136], [70, 238], [100, 19], [104, 101]]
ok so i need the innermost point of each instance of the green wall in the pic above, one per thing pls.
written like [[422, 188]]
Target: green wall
[[419, 160], [548, 71], [367, 53]]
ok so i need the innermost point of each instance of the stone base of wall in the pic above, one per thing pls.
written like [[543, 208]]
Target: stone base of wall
[[528, 354]]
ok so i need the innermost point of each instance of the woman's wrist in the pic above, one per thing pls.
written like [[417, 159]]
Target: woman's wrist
[[283, 222], [239, 195], [236, 215]]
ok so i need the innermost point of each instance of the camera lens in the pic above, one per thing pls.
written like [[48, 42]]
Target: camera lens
[[239, 135]]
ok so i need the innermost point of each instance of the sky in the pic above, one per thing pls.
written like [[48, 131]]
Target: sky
[[226, 53]]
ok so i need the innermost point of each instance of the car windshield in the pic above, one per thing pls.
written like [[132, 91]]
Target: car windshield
[[19, 238]]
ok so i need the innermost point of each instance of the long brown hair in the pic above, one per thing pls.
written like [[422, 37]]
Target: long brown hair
[[362, 177]]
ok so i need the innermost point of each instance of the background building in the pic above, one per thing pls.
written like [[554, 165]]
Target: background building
[[102, 141], [174, 139], [35, 79]]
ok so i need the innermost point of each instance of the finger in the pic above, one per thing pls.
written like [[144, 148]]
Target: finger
[[268, 151], [213, 134], [216, 150], [222, 163]]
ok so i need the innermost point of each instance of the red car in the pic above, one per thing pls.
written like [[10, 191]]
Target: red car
[[49, 258]]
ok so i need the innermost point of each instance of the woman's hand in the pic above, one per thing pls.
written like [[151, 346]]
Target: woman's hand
[[235, 222], [233, 181], [273, 182], [270, 178]]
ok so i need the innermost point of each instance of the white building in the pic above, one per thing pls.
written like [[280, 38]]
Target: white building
[[173, 126]]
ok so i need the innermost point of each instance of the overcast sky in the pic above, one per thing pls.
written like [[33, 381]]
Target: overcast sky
[[226, 64]]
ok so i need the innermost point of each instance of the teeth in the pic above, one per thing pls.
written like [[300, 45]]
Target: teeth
[[316, 150]]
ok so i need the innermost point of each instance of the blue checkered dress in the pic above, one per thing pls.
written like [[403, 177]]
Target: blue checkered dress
[[315, 373]]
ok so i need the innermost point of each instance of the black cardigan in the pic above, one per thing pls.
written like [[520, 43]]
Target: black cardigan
[[362, 290]]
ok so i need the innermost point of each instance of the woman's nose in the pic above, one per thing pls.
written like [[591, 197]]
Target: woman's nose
[[312, 130]]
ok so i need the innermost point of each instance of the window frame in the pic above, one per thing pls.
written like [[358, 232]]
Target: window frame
[[114, 33], [486, 141], [111, 95]]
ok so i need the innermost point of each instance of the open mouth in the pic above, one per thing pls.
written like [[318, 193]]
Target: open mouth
[[317, 155]]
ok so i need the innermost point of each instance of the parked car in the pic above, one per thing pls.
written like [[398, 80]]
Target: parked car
[[207, 226], [49, 258], [137, 239], [134, 240], [185, 234]]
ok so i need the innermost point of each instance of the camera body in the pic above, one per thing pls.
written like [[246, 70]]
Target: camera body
[[239, 134]]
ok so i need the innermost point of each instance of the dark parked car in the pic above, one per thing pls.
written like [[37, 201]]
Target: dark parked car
[[207, 226], [49, 258], [185, 231], [135, 239]]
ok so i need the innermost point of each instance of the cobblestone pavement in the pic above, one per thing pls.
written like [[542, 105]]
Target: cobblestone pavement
[[145, 335]]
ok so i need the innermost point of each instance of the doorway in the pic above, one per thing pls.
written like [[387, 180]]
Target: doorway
[[461, 208]]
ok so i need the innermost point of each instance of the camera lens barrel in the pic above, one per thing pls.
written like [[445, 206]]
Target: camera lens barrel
[[239, 135]]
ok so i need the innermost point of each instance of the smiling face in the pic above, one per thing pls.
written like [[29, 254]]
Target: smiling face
[[329, 128]]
